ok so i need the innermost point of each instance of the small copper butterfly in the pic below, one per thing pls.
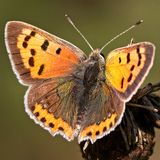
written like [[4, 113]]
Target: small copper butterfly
[[69, 93]]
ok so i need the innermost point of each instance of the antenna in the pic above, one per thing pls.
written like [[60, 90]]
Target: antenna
[[133, 26], [71, 22]]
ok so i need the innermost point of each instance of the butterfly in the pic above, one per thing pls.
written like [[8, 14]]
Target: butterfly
[[70, 93]]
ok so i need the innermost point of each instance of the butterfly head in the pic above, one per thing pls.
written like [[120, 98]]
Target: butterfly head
[[98, 57]]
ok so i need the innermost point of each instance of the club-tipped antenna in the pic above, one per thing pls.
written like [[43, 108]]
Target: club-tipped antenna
[[133, 26], [71, 22]]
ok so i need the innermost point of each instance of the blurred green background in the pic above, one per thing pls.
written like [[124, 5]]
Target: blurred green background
[[99, 21]]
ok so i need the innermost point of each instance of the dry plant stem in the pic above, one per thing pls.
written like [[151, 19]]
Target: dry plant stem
[[150, 108], [133, 139]]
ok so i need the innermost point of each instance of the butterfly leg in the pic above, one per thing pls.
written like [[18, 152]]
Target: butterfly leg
[[131, 41], [86, 144]]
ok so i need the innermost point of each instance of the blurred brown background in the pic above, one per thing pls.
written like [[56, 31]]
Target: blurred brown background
[[99, 21]]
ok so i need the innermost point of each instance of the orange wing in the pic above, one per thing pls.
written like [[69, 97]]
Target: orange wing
[[104, 112], [36, 54], [127, 67], [51, 105]]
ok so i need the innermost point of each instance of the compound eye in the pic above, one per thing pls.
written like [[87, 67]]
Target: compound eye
[[102, 61], [102, 55]]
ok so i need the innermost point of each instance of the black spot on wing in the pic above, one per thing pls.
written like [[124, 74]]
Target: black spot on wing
[[139, 59], [33, 33], [32, 108], [43, 119], [61, 128], [104, 129], [110, 125], [97, 133], [128, 57], [44, 46], [33, 52], [138, 50], [58, 51], [130, 77], [89, 134], [122, 82], [51, 125], [27, 38], [24, 44], [36, 114], [41, 68], [31, 61], [132, 68]]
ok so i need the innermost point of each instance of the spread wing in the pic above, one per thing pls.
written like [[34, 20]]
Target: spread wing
[[36, 54], [104, 112], [127, 67], [52, 105]]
